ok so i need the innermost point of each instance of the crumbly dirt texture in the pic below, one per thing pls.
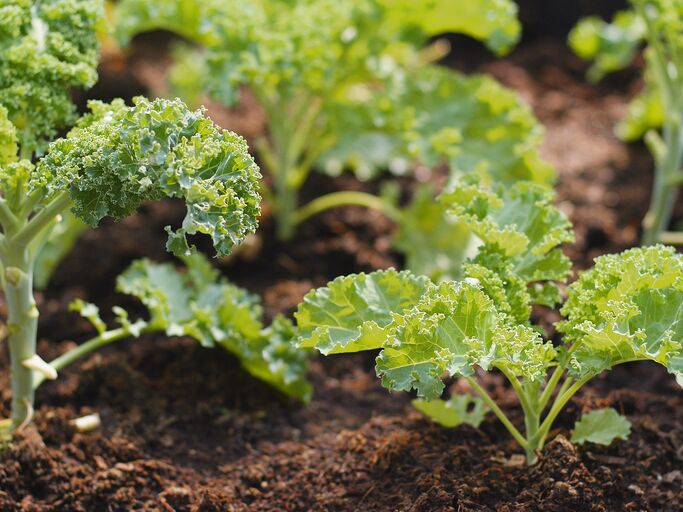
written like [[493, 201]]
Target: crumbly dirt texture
[[185, 429]]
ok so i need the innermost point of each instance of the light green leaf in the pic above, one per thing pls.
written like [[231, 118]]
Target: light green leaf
[[8, 139], [645, 112], [611, 46], [458, 409], [471, 122], [628, 307], [601, 426], [492, 21], [517, 224], [350, 313], [119, 156], [201, 304], [455, 326], [191, 19]]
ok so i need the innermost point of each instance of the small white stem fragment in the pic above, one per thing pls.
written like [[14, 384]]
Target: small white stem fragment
[[87, 423], [36, 363]]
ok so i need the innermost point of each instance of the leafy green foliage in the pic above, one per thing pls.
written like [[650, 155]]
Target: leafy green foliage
[[47, 48], [458, 409], [119, 156], [611, 46], [203, 305], [349, 87], [471, 122], [492, 21], [518, 224], [601, 426], [627, 307], [350, 314]]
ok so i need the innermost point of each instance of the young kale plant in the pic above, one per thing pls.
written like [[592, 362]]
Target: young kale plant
[[657, 112], [201, 304], [343, 84], [115, 158], [626, 308]]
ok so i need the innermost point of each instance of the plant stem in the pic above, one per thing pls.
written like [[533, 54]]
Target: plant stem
[[23, 326], [664, 193], [560, 401], [550, 387], [669, 156], [346, 198], [498, 412], [84, 349]]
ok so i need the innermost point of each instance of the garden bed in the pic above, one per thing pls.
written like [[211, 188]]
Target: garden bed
[[184, 428]]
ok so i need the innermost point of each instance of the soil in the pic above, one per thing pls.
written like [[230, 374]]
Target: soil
[[184, 428]]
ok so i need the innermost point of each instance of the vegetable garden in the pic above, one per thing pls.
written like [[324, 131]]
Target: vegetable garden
[[341, 255]]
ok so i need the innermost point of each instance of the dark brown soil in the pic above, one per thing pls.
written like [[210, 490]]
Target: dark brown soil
[[184, 428]]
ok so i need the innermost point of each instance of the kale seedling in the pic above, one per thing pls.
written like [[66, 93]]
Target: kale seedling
[[626, 308], [116, 157], [657, 112]]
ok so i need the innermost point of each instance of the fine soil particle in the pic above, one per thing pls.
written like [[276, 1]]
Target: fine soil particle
[[184, 428]]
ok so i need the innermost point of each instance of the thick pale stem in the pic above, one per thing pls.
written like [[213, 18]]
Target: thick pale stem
[[22, 325], [664, 193]]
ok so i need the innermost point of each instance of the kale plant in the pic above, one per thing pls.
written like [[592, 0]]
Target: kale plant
[[626, 308], [116, 157]]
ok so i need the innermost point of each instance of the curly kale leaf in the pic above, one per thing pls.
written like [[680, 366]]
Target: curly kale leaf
[[350, 313], [471, 122], [424, 330], [454, 327], [628, 307], [119, 156], [203, 305], [47, 47], [518, 223]]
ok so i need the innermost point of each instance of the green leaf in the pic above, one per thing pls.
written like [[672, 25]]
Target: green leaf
[[454, 327], [458, 409], [492, 21], [601, 426], [48, 47], [434, 115], [350, 313], [433, 241], [517, 224], [119, 156], [201, 304], [611, 46], [628, 307], [191, 19]]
